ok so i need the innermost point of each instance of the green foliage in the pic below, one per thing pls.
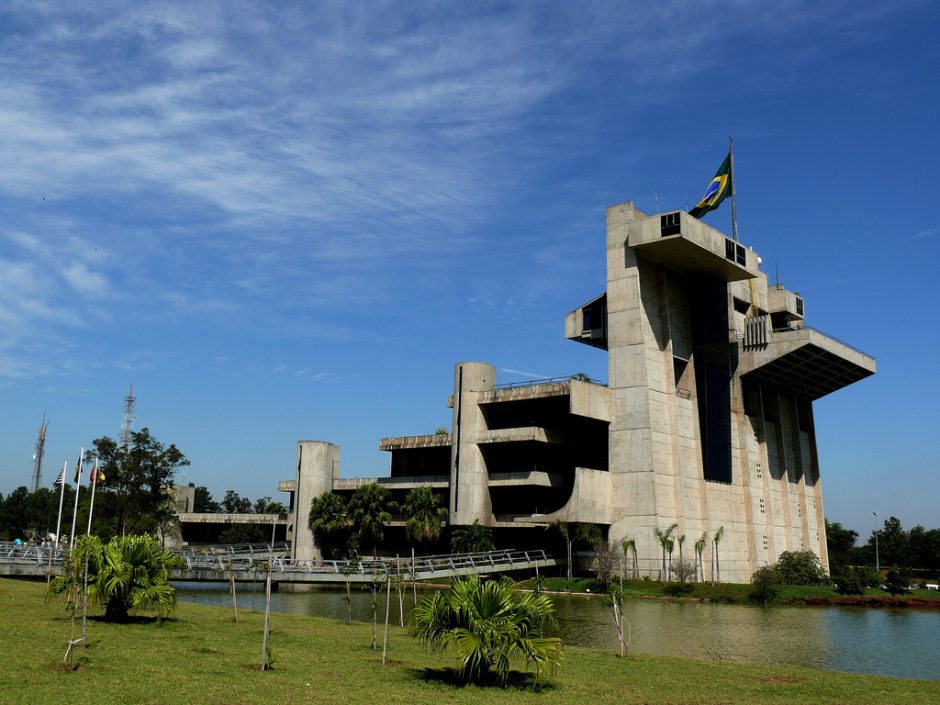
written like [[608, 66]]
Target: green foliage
[[234, 503], [423, 514], [677, 589], [129, 572], [765, 584], [487, 626], [591, 534], [329, 522], [137, 494], [370, 510], [850, 581], [839, 544], [897, 581], [203, 503], [474, 538], [800, 568]]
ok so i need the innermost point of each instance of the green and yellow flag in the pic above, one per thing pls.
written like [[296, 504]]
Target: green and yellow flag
[[718, 189]]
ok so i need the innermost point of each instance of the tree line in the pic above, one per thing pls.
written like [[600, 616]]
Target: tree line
[[344, 527], [134, 495], [917, 549]]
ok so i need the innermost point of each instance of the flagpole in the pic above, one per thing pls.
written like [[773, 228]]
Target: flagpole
[[78, 486], [94, 485], [58, 524], [734, 192], [93, 480]]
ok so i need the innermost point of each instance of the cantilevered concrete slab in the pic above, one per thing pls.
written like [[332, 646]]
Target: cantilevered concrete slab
[[806, 362], [688, 245]]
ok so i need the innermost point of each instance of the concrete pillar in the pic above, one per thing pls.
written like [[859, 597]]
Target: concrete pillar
[[469, 482], [317, 467]]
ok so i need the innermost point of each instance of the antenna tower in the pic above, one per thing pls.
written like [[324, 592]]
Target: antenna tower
[[40, 452], [127, 421]]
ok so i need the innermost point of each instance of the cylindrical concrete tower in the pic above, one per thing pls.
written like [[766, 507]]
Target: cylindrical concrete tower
[[317, 467]]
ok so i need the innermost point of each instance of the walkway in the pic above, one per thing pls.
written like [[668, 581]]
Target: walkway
[[248, 562]]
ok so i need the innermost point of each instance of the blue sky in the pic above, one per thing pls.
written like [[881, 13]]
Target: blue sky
[[286, 221]]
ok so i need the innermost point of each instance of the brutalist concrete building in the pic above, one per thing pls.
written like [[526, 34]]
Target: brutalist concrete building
[[706, 420]]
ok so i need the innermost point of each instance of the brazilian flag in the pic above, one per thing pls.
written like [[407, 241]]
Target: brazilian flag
[[718, 189]]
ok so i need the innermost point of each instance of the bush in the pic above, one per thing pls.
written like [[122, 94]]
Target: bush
[[765, 584], [897, 581], [800, 568], [851, 581], [678, 589], [488, 626]]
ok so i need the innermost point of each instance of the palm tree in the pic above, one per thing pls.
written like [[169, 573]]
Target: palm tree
[[564, 528], [663, 537], [488, 626], [670, 544], [329, 520], [369, 511], [424, 514], [474, 538], [716, 541], [129, 572], [629, 545], [699, 550]]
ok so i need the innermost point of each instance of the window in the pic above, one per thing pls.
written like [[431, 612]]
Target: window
[[669, 224]]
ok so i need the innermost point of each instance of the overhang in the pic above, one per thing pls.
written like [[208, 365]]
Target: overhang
[[688, 245], [806, 362]]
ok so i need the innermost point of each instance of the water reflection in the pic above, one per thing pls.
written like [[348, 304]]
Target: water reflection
[[881, 641]]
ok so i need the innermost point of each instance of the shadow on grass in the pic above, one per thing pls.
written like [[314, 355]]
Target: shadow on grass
[[451, 676], [131, 619]]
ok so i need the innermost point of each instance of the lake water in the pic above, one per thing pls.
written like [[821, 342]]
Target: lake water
[[891, 642]]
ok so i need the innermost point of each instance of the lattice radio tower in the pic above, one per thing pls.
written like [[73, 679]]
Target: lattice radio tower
[[127, 422], [40, 452]]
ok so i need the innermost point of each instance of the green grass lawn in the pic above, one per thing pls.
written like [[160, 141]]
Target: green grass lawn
[[201, 657]]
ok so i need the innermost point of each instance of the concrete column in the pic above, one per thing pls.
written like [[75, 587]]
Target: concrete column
[[317, 467], [469, 481], [634, 506]]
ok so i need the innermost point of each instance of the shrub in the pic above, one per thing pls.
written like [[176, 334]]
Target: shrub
[[850, 581], [487, 625], [800, 568], [765, 584], [678, 589], [897, 581]]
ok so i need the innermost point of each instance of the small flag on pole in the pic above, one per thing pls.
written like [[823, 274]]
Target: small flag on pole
[[78, 470], [719, 188], [96, 474], [60, 479]]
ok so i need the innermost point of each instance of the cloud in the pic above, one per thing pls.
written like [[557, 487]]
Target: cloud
[[85, 281]]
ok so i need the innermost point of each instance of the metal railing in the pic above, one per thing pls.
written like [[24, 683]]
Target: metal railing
[[546, 380], [447, 563]]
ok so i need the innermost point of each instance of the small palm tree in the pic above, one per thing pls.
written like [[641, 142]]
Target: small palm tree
[[424, 514], [664, 538], [564, 528], [629, 546], [488, 626], [716, 541], [699, 550], [129, 572], [474, 538]]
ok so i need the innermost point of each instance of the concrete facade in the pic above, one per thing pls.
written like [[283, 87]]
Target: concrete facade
[[705, 422]]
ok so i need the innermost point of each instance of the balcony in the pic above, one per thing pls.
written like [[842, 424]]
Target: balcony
[[805, 361]]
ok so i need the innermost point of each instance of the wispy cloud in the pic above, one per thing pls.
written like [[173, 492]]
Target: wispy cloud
[[265, 165]]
